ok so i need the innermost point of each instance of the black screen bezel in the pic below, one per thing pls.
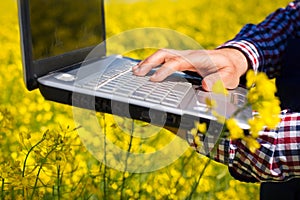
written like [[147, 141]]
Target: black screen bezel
[[34, 69]]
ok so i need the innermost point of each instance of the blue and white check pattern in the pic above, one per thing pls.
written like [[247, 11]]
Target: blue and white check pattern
[[278, 158]]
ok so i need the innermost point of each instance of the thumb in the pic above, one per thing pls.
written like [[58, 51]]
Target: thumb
[[229, 79], [209, 81]]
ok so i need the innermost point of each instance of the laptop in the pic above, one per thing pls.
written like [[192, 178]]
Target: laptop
[[64, 53]]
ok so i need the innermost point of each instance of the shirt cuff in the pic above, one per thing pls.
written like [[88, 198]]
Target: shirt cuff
[[204, 145], [223, 151], [247, 48]]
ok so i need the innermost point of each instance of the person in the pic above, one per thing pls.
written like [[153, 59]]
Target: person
[[261, 47]]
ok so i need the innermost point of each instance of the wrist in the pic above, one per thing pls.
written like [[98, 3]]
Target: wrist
[[236, 59]]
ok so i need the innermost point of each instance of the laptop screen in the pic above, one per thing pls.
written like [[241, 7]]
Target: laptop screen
[[59, 26], [58, 33]]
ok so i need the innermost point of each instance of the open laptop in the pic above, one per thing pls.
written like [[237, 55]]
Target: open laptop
[[64, 56]]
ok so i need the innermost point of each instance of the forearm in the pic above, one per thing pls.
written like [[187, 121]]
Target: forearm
[[264, 44]]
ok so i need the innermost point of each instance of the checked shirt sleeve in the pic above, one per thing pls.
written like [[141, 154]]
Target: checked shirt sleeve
[[264, 44], [277, 159], [207, 144]]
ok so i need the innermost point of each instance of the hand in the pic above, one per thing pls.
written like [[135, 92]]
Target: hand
[[226, 64]]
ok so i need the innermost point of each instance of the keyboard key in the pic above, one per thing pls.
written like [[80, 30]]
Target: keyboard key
[[123, 92], [181, 88], [139, 95], [173, 96], [107, 88], [170, 102], [154, 99], [144, 90], [124, 83]]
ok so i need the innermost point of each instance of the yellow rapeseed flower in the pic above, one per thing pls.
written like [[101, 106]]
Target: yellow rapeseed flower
[[251, 77], [202, 127], [149, 189], [256, 124], [194, 131], [252, 143], [211, 103], [265, 86], [235, 131], [262, 98], [253, 96], [218, 88], [197, 141]]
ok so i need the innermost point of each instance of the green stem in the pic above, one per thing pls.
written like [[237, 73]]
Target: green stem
[[39, 170], [126, 159], [27, 155], [210, 157], [58, 182], [241, 109], [214, 150], [199, 179], [185, 164], [104, 158], [2, 188]]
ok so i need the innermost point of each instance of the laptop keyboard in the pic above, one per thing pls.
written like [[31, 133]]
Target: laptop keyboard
[[121, 82]]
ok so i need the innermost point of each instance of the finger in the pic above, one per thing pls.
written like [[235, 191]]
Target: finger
[[155, 60], [169, 67], [229, 79], [143, 70], [209, 80], [163, 72]]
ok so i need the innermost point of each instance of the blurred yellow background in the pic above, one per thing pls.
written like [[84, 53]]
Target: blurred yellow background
[[58, 166]]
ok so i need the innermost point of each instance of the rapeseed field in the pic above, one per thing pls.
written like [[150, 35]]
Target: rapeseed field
[[42, 155]]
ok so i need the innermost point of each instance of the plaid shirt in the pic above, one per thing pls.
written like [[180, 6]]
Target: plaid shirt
[[278, 158]]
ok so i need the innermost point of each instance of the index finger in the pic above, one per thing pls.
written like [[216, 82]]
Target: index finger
[[153, 61]]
